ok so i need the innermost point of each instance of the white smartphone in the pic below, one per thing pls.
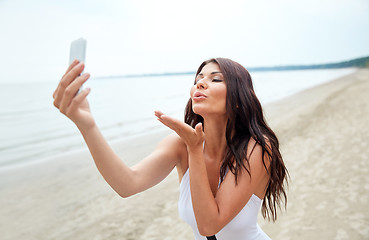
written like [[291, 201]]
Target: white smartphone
[[78, 51]]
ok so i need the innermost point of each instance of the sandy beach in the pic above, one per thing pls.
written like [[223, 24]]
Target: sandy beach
[[323, 133]]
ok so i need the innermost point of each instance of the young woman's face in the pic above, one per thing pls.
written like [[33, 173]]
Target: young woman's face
[[209, 92]]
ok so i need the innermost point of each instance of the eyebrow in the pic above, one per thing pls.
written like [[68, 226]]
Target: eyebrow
[[210, 73]]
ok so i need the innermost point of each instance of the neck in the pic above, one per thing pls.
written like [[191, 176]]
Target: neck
[[215, 138]]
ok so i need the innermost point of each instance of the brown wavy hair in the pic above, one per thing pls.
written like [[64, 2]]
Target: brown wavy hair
[[246, 121]]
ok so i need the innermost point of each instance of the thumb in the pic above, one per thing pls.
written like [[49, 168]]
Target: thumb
[[198, 129]]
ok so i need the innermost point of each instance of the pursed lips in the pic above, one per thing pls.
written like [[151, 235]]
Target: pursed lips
[[198, 96]]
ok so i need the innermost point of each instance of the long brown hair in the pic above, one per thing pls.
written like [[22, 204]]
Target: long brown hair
[[245, 121]]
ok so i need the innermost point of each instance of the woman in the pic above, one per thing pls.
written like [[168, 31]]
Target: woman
[[227, 158]]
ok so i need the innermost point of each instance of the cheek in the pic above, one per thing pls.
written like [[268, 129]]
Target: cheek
[[222, 93], [193, 88]]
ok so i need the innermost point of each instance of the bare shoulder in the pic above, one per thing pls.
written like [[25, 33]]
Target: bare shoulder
[[253, 147], [254, 144], [255, 151]]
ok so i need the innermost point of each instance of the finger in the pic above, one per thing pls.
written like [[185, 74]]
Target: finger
[[168, 121], [182, 129], [71, 75], [198, 128], [74, 63], [164, 118], [158, 113], [179, 131], [172, 122], [65, 81], [79, 99], [71, 90], [169, 126]]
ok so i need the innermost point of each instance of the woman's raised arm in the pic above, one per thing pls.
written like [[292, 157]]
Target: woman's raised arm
[[124, 180]]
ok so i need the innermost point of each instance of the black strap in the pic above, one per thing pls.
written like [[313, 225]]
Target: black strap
[[212, 238]]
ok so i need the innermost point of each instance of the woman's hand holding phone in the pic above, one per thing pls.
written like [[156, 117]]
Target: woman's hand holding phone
[[74, 106]]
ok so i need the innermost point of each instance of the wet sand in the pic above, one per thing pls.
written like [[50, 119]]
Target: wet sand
[[323, 133]]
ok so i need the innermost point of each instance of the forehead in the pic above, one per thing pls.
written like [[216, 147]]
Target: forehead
[[210, 68]]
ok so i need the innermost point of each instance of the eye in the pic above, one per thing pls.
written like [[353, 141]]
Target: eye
[[217, 80]]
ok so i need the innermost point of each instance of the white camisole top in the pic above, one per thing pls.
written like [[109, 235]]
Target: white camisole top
[[242, 227]]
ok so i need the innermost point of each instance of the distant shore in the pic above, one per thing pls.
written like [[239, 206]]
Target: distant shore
[[357, 63], [323, 136]]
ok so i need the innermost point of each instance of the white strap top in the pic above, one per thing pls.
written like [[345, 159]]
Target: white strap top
[[243, 226]]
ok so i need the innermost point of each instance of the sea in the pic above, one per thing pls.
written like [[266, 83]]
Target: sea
[[33, 130]]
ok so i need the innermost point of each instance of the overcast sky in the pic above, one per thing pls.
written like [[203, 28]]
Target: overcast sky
[[153, 36]]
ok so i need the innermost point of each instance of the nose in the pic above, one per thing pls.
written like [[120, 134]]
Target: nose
[[201, 84]]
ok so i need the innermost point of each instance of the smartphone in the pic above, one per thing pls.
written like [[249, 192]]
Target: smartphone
[[78, 51]]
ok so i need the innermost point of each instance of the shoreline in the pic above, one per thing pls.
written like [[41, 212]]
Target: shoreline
[[83, 150], [66, 197]]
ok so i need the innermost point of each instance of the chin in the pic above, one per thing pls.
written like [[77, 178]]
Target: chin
[[204, 111], [198, 110]]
